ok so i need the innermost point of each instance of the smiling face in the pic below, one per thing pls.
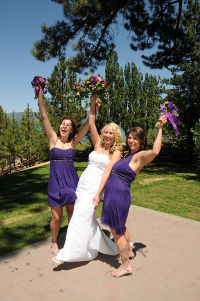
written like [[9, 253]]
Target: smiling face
[[133, 143], [136, 139], [108, 135], [66, 127]]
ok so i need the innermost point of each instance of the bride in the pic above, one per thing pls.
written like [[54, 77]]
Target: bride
[[84, 237]]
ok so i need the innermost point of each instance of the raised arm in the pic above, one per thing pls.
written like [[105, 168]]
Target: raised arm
[[83, 131], [92, 116], [46, 123], [143, 157], [115, 157]]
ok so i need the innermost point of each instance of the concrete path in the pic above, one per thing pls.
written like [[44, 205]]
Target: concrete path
[[166, 266]]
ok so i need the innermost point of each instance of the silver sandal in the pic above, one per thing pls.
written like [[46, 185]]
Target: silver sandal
[[56, 260], [127, 272]]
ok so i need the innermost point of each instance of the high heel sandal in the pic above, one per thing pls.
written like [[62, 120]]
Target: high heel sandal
[[54, 252], [127, 272], [56, 260], [131, 256]]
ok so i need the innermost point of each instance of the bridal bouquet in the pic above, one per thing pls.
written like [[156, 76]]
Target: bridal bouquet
[[170, 110], [39, 81], [93, 84]]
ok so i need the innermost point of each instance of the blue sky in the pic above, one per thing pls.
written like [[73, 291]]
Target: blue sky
[[20, 27]]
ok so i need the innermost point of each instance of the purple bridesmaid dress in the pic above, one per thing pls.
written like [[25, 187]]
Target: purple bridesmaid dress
[[63, 178], [117, 198]]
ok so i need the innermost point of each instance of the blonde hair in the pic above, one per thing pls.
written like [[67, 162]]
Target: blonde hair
[[117, 145]]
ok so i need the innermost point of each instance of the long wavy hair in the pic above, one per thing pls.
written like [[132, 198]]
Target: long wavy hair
[[117, 145], [72, 136], [139, 134]]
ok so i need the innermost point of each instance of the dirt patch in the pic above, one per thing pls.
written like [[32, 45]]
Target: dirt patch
[[194, 215], [20, 217], [37, 165], [147, 181], [148, 203], [19, 168]]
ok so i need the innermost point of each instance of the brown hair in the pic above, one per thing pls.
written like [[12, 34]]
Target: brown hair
[[139, 134], [74, 127], [117, 145]]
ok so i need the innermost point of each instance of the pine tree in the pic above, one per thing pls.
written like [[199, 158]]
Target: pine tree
[[28, 137], [1, 126], [131, 104], [186, 75], [13, 139], [151, 98], [62, 102], [196, 133], [5, 142], [111, 107], [91, 26]]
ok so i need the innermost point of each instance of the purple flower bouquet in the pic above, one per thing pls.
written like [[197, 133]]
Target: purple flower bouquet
[[93, 84], [39, 81], [170, 110]]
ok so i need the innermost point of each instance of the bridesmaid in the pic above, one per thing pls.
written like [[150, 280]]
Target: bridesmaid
[[63, 178], [117, 198]]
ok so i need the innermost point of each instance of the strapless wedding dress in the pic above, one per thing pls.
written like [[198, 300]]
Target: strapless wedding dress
[[85, 238]]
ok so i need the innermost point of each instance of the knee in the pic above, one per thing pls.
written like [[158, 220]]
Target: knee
[[113, 233], [124, 232], [57, 219], [70, 210]]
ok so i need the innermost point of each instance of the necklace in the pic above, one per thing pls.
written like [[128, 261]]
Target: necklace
[[105, 151]]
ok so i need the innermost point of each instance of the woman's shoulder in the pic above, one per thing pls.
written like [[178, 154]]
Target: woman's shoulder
[[116, 154], [117, 151]]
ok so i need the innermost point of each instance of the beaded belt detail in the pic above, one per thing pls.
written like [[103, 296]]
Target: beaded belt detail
[[121, 176], [118, 174], [62, 159]]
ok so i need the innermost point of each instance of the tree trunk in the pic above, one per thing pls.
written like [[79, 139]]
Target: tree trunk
[[10, 164], [14, 162], [22, 164]]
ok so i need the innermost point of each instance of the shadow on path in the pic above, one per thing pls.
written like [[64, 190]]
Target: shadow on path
[[110, 260]]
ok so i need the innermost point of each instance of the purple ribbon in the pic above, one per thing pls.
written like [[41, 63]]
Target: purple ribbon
[[172, 115]]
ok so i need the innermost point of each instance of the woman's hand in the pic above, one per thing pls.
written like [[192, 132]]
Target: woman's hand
[[95, 100], [162, 120], [96, 201], [98, 102]]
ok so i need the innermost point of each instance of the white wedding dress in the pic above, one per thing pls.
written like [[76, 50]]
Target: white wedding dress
[[85, 238]]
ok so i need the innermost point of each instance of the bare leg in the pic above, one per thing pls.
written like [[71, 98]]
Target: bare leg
[[70, 210], [122, 247], [57, 213], [127, 236]]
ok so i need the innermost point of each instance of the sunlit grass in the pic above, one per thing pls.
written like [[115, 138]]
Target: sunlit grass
[[176, 194]]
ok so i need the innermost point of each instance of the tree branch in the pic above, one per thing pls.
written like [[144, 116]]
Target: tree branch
[[102, 35]]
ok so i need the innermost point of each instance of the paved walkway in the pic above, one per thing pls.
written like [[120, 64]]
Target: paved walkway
[[166, 266]]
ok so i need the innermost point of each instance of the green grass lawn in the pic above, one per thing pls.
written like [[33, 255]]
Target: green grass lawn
[[25, 215]]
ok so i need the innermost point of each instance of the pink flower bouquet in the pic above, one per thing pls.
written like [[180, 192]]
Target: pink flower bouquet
[[93, 84], [171, 111], [39, 81]]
